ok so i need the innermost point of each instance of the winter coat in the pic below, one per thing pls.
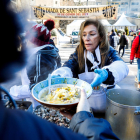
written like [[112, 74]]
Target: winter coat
[[43, 63], [123, 41], [117, 69], [16, 124], [115, 40], [135, 50], [111, 41]]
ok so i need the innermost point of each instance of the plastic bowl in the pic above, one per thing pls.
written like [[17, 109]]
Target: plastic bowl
[[60, 82]]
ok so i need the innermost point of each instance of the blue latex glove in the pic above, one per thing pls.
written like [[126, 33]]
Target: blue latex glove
[[101, 76], [55, 76]]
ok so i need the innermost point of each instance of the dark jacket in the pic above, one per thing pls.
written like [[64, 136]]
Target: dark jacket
[[123, 41], [111, 41], [21, 125], [42, 63], [72, 63]]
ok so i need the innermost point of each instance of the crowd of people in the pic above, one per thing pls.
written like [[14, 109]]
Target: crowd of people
[[120, 42]]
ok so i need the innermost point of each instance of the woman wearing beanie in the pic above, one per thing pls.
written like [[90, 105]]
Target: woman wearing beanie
[[43, 56]]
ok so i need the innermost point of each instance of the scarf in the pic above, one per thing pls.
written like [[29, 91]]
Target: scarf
[[90, 57]]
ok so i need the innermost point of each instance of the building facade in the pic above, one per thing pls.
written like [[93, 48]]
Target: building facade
[[67, 3], [101, 2], [129, 7]]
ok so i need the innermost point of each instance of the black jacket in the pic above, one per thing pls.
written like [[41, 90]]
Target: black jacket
[[42, 63], [111, 40], [123, 41], [21, 125], [72, 63]]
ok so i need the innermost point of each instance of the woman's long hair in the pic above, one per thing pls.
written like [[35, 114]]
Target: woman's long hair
[[103, 45]]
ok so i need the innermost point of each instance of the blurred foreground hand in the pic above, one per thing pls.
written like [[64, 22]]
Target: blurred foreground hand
[[83, 104]]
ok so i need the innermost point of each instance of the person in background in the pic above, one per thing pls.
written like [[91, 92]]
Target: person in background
[[119, 36], [116, 40], [111, 40], [94, 60], [17, 124], [135, 52], [122, 42], [128, 41], [134, 36], [44, 57]]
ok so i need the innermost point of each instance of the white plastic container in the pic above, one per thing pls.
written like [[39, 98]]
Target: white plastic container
[[97, 100]]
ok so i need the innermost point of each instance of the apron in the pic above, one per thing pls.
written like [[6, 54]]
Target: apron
[[96, 101], [87, 76]]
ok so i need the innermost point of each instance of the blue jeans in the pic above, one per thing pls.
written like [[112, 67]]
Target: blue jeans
[[138, 73]]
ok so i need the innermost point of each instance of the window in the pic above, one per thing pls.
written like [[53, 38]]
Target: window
[[123, 9], [135, 3], [98, 3], [134, 9], [124, 3]]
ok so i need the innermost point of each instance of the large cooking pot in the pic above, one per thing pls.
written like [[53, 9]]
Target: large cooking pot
[[123, 113]]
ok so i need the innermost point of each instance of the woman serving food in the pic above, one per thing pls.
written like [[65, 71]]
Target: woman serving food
[[94, 61]]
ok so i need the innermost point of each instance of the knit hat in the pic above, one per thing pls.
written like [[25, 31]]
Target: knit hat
[[40, 33]]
